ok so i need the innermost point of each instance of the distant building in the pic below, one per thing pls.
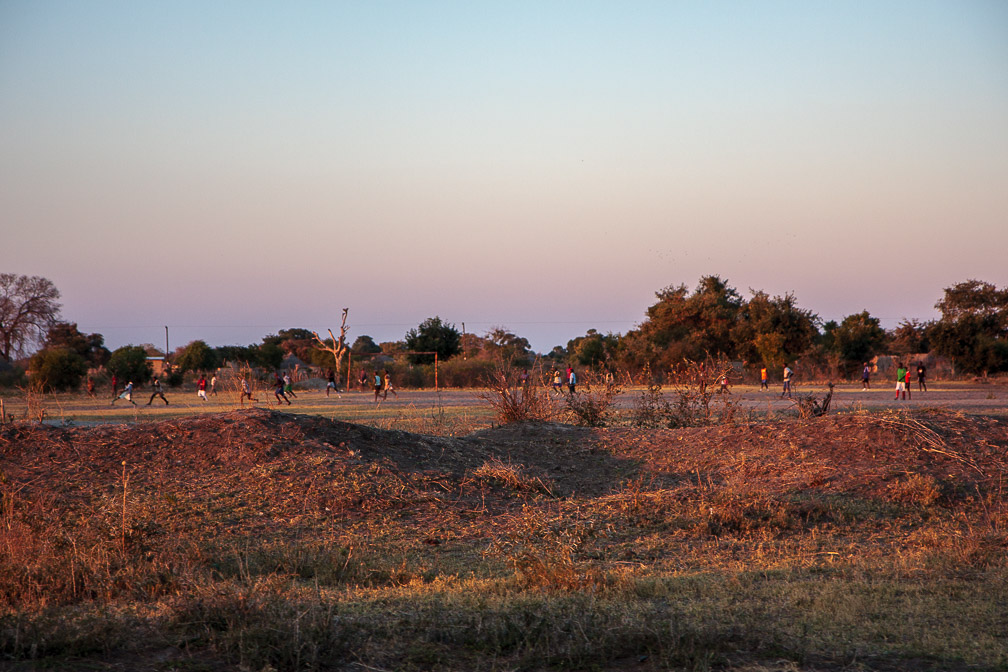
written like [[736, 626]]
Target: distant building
[[158, 365]]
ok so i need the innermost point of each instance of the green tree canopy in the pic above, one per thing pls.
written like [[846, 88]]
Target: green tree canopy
[[296, 334], [294, 341], [433, 335], [58, 368], [857, 339], [91, 347], [774, 331], [686, 325], [974, 298], [268, 355], [557, 355], [973, 328], [911, 336], [593, 349], [365, 345], [196, 356], [245, 354], [130, 363]]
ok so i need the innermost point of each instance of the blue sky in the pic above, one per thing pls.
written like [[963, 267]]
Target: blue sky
[[233, 168]]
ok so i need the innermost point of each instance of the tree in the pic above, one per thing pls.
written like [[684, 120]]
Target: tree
[[857, 339], [973, 328], [268, 355], [244, 354], [500, 342], [130, 363], [89, 346], [295, 334], [593, 348], [774, 331], [295, 341], [433, 335], [974, 298], [365, 345], [911, 336], [686, 325], [335, 347], [197, 356], [58, 368], [392, 348], [557, 355], [28, 308]]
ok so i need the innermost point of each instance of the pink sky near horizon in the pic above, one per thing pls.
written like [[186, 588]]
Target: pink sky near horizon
[[234, 169]]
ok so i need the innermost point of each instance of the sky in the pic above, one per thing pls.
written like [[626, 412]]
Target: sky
[[229, 169]]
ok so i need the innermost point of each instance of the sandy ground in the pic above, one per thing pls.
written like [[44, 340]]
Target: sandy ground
[[984, 399]]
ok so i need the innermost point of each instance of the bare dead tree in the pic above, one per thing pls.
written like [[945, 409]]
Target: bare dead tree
[[336, 347]]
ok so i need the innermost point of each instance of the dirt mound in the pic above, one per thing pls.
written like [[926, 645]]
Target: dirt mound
[[238, 437], [861, 453], [213, 519]]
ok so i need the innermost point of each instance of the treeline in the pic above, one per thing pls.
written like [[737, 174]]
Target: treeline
[[715, 320], [711, 320]]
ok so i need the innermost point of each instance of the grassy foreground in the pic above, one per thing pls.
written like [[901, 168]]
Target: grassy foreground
[[260, 540]]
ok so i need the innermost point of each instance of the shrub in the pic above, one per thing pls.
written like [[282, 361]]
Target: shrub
[[516, 397], [651, 409], [810, 407], [695, 401], [58, 369], [11, 375], [592, 404]]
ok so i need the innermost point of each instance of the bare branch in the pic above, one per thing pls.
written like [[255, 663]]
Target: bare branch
[[27, 308]]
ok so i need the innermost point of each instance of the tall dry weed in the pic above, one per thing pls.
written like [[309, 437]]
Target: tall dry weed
[[34, 397], [516, 396], [695, 397]]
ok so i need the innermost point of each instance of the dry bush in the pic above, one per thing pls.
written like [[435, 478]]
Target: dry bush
[[592, 404], [34, 396], [810, 407], [926, 432], [696, 399], [651, 409], [516, 397]]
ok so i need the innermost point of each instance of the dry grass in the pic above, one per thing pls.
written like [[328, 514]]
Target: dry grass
[[262, 540]]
